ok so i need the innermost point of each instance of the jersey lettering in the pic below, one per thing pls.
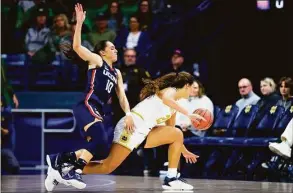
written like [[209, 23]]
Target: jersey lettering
[[163, 119], [109, 86]]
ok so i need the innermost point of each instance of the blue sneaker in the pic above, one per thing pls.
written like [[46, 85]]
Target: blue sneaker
[[74, 178]]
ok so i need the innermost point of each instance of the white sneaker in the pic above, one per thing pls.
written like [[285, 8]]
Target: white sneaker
[[281, 149], [50, 182], [54, 177], [176, 184]]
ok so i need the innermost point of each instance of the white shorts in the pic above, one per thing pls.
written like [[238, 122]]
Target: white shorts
[[133, 140]]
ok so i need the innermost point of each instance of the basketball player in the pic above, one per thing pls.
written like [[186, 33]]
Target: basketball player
[[159, 105], [103, 79]]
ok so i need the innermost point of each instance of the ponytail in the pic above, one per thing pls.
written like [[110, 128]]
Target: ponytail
[[176, 80]]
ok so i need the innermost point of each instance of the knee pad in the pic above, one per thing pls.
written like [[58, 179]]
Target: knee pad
[[98, 145]]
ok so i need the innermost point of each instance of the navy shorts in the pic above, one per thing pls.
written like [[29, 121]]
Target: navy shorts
[[87, 113]]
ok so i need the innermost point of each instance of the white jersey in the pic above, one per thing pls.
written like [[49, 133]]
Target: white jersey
[[153, 111], [147, 114]]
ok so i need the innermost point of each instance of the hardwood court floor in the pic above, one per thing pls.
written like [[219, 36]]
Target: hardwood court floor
[[130, 184]]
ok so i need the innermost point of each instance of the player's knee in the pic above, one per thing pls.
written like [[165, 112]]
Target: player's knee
[[98, 144], [178, 134]]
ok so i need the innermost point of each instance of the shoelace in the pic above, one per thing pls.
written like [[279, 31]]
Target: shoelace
[[78, 175], [182, 180]]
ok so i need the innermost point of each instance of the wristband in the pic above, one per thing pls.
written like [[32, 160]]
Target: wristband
[[128, 113]]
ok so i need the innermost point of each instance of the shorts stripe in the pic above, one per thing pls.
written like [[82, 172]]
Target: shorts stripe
[[88, 96]]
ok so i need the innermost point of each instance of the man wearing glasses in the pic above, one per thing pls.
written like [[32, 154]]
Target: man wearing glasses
[[248, 97], [132, 75]]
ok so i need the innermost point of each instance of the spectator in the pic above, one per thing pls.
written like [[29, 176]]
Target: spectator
[[270, 97], [9, 161], [60, 29], [284, 148], [116, 19], [94, 8], [8, 98], [7, 92], [197, 100], [102, 32], [133, 76], [286, 88], [26, 12], [134, 38], [177, 61], [248, 97], [144, 14], [37, 36]]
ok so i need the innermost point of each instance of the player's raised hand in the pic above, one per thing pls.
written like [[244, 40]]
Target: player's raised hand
[[129, 124], [80, 14]]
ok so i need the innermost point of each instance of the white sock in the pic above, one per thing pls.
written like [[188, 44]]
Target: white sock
[[286, 142], [172, 172]]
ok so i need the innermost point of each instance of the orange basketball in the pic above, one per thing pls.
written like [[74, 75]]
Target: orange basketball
[[203, 125]]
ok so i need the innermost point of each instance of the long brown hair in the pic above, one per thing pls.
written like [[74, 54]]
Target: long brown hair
[[201, 89], [176, 80], [66, 28]]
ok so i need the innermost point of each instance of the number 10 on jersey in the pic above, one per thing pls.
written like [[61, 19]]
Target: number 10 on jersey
[[109, 86]]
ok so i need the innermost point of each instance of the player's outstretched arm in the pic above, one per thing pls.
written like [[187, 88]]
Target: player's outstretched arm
[[124, 103], [83, 52], [169, 100]]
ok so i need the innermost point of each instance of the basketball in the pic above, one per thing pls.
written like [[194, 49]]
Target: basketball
[[203, 125]]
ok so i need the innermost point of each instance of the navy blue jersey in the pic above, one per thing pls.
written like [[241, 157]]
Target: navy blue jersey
[[101, 84]]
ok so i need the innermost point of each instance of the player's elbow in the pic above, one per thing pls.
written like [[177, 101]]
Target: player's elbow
[[76, 47]]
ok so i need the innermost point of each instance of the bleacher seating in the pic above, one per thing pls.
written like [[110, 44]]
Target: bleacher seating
[[17, 69]]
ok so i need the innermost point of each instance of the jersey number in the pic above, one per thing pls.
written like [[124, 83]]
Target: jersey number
[[109, 86]]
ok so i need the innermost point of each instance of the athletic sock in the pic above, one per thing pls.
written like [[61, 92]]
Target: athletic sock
[[80, 164], [68, 157], [172, 172]]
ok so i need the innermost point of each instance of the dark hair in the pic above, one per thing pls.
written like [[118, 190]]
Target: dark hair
[[288, 82], [100, 46], [176, 80], [118, 16], [201, 89]]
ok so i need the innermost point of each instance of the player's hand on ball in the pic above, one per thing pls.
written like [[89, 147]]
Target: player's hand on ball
[[196, 118], [190, 157], [80, 14], [129, 124]]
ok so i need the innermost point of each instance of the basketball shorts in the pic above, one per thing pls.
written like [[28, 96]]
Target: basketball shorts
[[131, 141], [85, 114]]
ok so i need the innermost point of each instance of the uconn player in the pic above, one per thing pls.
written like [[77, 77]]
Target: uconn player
[[159, 105], [103, 80]]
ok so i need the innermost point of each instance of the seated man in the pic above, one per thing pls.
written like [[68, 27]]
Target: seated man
[[284, 148]]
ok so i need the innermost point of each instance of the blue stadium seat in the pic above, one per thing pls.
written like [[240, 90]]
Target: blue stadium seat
[[263, 134], [45, 74], [244, 121], [269, 121], [16, 69], [285, 119], [224, 120], [217, 109]]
